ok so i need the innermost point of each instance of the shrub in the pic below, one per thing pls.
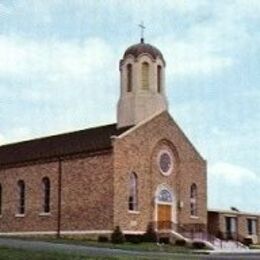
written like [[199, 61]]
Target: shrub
[[150, 234], [180, 242], [248, 241], [135, 239], [198, 245], [220, 235], [117, 236], [103, 239], [164, 240]]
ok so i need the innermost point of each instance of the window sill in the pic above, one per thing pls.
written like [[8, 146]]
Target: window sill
[[133, 211], [194, 217], [44, 214], [19, 215]]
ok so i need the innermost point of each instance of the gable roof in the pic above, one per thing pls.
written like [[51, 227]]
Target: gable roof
[[87, 140], [154, 116]]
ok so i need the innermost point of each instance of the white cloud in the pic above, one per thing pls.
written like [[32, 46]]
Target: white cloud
[[205, 48], [192, 57], [233, 185], [248, 7], [2, 139], [4, 11], [20, 133], [45, 70], [190, 60], [182, 6], [214, 41], [15, 135], [70, 81], [53, 59], [232, 174]]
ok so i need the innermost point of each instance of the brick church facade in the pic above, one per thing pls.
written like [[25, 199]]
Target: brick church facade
[[141, 170]]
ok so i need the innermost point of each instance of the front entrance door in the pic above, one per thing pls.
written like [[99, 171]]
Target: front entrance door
[[164, 216]]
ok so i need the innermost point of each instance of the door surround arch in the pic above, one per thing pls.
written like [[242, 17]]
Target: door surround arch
[[165, 197]]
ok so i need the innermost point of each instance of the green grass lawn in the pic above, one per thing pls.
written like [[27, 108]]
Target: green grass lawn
[[255, 246], [19, 254], [125, 246]]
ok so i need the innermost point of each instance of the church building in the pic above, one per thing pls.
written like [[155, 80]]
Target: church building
[[141, 170]]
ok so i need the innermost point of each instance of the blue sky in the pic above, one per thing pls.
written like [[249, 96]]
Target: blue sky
[[59, 72]]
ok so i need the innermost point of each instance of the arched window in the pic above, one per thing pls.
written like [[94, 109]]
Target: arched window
[[165, 196], [159, 79], [133, 193], [193, 200], [145, 75], [46, 194], [129, 77], [1, 198], [21, 198]]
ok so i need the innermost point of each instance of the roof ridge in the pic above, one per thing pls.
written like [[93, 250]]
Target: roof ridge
[[82, 141], [56, 135]]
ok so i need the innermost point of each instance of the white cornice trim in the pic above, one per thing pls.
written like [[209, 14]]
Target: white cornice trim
[[29, 233], [69, 232], [86, 232], [135, 232], [223, 211]]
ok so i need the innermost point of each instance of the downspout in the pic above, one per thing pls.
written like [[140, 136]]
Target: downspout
[[59, 197]]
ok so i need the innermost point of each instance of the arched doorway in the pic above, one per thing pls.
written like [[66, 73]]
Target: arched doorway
[[165, 213]]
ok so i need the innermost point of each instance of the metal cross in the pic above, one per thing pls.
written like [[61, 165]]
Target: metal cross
[[141, 25]]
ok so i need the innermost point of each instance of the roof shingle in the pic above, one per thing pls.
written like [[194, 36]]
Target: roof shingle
[[87, 140]]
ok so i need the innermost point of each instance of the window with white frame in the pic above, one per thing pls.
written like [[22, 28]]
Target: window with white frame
[[251, 226], [133, 193], [21, 197], [193, 200], [46, 194]]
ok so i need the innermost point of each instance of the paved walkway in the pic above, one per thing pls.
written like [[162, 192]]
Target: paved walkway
[[95, 251]]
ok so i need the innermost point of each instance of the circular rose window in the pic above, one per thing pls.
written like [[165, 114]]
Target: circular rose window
[[165, 162]]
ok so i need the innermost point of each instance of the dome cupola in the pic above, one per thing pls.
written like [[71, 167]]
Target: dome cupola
[[142, 84], [143, 48]]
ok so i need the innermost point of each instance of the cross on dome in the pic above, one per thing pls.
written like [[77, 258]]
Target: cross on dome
[[142, 27]]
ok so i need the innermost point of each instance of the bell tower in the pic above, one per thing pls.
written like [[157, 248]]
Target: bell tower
[[142, 84]]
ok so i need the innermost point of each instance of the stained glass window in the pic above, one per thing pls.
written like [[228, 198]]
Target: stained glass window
[[133, 193], [193, 200], [165, 196], [165, 162]]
